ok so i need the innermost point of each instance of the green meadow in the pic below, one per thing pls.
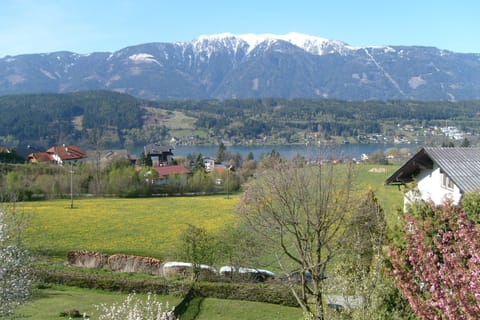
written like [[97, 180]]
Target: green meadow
[[148, 226], [151, 227], [47, 304]]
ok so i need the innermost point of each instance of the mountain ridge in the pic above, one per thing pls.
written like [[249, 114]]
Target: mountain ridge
[[225, 66]]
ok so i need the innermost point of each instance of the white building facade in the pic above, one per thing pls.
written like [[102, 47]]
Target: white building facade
[[439, 175]]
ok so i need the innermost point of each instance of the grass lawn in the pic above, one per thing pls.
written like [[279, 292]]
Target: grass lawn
[[47, 304], [217, 309], [372, 177]]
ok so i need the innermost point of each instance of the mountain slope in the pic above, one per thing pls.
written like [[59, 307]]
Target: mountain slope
[[242, 66]]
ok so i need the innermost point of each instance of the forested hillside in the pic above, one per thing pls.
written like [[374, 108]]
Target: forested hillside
[[45, 119], [250, 118], [110, 119]]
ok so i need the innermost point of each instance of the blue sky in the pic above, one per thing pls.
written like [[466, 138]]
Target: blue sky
[[84, 26]]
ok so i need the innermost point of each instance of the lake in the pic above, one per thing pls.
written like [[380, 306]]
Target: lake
[[289, 151]]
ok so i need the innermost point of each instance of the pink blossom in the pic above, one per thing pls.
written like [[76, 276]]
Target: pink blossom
[[438, 271]]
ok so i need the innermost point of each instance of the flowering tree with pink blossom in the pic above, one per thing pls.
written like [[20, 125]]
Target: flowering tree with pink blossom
[[438, 270]]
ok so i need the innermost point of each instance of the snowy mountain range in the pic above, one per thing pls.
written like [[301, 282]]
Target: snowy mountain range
[[228, 66]]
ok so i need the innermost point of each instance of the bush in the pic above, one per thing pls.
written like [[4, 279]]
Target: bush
[[108, 283], [15, 274], [72, 313], [133, 308], [266, 293]]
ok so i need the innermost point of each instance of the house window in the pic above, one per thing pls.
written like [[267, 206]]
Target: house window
[[447, 183]]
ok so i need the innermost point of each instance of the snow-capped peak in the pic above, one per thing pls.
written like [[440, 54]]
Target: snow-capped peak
[[143, 58], [311, 44]]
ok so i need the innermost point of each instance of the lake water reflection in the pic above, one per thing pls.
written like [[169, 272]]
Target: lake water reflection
[[289, 151]]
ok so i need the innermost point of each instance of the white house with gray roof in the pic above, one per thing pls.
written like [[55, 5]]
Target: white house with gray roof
[[439, 174]]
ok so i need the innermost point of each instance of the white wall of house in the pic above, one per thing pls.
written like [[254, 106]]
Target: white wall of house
[[209, 164], [61, 162], [57, 159], [433, 186]]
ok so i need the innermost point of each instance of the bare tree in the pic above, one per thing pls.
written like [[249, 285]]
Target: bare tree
[[95, 137], [301, 211]]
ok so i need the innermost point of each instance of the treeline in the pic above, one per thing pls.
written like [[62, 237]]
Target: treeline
[[31, 181], [113, 119], [37, 182], [256, 118]]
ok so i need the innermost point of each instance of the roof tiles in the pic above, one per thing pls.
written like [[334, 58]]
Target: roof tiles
[[461, 165]]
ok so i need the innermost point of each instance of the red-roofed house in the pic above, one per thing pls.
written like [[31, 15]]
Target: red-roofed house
[[165, 171], [59, 154], [40, 157]]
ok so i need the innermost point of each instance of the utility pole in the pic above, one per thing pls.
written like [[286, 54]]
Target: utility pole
[[229, 171], [71, 185], [228, 174]]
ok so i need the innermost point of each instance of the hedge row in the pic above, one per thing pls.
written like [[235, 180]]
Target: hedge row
[[259, 292], [266, 293], [108, 283]]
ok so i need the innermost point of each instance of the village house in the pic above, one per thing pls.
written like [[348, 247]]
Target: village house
[[209, 163], [159, 155], [439, 174], [105, 157], [164, 172], [59, 155], [161, 158]]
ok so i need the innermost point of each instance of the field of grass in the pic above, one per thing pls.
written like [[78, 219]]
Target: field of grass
[[173, 120], [217, 309], [147, 227], [47, 304], [373, 177], [151, 226]]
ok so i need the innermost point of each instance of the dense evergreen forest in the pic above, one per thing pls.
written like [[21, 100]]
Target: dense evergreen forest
[[109, 119]]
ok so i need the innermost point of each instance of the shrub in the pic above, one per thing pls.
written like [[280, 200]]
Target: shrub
[[133, 308], [266, 293], [15, 274], [72, 313]]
